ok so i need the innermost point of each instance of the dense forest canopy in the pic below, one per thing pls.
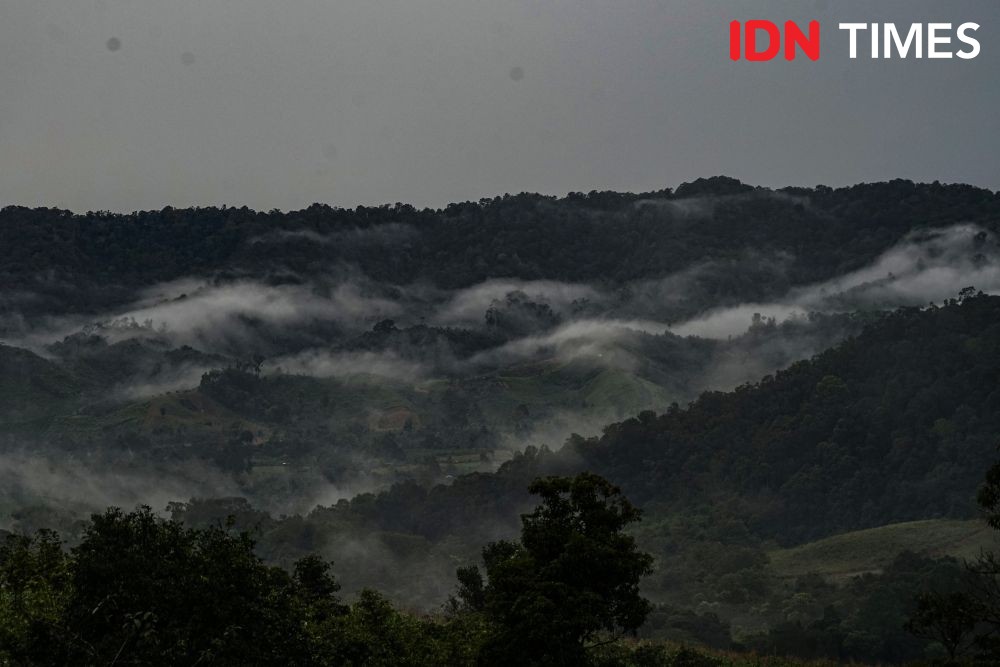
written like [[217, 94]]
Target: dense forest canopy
[[797, 388], [98, 259]]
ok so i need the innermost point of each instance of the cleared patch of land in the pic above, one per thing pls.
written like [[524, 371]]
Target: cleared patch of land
[[850, 554]]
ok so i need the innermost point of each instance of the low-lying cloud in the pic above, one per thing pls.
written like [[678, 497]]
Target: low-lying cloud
[[74, 487], [467, 307], [329, 364], [926, 266]]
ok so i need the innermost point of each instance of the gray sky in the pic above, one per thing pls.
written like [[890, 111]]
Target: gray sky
[[282, 104]]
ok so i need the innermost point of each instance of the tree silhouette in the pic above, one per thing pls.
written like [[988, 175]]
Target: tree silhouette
[[571, 583]]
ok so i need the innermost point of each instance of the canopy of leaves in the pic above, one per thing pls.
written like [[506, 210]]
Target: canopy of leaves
[[573, 577]]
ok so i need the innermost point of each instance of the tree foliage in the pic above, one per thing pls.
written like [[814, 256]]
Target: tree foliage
[[140, 590], [99, 259], [570, 582]]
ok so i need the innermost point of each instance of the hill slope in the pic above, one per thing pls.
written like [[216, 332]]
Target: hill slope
[[850, 554], [897, 424]]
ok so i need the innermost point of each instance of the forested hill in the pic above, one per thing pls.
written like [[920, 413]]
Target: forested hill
[[86, 262], [896, 424]]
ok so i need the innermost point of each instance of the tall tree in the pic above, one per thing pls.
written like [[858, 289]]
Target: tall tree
[[569, 584]]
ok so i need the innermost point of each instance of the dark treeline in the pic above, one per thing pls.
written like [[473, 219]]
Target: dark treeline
[[92, 261], [138, 590]]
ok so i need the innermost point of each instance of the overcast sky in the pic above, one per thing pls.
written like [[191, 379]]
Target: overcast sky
[[126, 104]]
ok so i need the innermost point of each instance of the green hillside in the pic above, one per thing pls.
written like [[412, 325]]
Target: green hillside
[[870, 551]]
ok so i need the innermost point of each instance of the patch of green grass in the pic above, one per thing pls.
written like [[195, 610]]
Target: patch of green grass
[[577, 385], [850, 554], [620, 389], [628, 653]]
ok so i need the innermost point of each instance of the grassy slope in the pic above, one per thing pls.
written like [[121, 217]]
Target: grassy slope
[[574, 387], [849, 554], [669, 654]]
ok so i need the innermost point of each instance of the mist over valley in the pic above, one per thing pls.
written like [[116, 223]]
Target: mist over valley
[[380, 386]]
